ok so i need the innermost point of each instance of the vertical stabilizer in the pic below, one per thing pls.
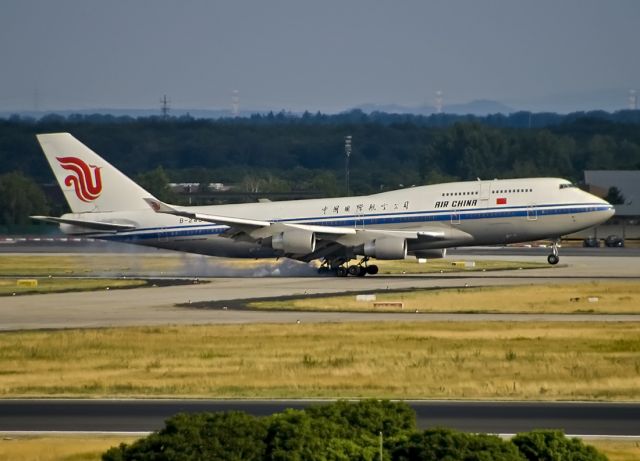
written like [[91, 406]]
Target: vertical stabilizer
[[89, 182]]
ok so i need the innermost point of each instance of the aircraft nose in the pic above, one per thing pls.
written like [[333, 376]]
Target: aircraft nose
[[610, 211]]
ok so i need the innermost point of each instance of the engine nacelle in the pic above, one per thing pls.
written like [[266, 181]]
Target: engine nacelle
[[386, 248], [431, 254], [294, 241]]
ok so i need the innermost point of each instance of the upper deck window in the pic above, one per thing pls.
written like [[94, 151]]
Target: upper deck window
[[567, 185]]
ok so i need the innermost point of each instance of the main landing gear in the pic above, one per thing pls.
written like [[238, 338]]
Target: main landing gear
[[553, 258], [341, 268]]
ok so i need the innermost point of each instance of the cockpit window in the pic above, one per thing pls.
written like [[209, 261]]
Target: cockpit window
[[567, 185]]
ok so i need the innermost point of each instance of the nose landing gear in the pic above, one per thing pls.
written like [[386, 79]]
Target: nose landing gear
[[553, 258]]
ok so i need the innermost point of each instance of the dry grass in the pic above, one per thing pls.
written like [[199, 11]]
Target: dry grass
[[90, 448], [617, 450], [10, 287], [82, 265], [613, 297], [58, 448], [35, 265], [496, 360], [411, 266]]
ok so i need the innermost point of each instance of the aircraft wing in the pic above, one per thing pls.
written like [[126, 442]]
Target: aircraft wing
[[332, 236], [252, 227], [160, 207], [90, 225]]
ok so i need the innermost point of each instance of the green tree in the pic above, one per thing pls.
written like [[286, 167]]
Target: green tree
[[157, 183], [232, 436], [450, 445], [367, 417], [293, 436], [545, 445], [614, 196], [326, 183], [20, 197]]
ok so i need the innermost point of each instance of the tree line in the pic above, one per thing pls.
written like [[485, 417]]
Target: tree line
[[368, 430], [282, 152]]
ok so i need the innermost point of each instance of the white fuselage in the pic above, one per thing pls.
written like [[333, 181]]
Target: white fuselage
[[490, 212]]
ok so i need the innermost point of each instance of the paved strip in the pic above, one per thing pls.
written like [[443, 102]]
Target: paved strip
[[157, 306], [588, 419]]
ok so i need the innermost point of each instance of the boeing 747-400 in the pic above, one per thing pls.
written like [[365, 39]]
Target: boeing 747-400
[[422, 221]]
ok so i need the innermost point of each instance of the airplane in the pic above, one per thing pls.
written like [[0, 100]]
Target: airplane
[[422, 221]]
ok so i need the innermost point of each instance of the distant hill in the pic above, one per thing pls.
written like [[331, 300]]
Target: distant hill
[[478, 107]]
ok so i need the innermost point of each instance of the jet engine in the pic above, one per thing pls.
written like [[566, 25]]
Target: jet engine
[[386, 248], [294, 241], [431, 254]]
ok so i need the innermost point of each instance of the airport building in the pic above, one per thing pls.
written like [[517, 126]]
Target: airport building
[[622, 186]]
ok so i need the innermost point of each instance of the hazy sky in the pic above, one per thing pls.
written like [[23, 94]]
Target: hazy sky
[[318, 55]]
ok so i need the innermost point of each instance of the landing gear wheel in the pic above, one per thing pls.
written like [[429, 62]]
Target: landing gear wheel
[[354, 270], [372, 270], [362, 271], [553, 258], [341, 271]]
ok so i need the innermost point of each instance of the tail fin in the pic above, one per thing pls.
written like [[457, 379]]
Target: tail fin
[[89, 182]]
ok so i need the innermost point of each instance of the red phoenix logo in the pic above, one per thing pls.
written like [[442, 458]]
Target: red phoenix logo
[[85, 179]]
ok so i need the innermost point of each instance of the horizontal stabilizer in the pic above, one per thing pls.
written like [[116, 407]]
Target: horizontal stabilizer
[[92, 225]]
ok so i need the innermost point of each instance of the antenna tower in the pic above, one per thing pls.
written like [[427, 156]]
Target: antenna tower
[[439, 101], [235, 103], [633, 100], [347, 154], [164, 108]]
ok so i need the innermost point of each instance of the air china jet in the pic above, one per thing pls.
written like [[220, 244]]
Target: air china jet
[[420, 221]]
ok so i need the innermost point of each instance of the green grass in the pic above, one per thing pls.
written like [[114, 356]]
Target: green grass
[[496, 360], [10, 287], [34, 265]]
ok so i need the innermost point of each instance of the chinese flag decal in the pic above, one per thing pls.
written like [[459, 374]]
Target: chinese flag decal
[[501, 201]]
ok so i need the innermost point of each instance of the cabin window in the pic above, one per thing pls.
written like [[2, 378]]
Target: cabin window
[[567, 186]]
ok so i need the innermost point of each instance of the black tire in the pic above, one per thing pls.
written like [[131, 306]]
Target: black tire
[[372, 270], [553, 259], [341, 271], [362, 271], [353, 270]]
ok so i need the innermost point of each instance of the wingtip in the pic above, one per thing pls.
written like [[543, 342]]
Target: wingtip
[[158, 206]]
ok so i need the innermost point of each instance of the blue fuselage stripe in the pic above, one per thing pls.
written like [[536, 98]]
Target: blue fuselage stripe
[[350, 221]]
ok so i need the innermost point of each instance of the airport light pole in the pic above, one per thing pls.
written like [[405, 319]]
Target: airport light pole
[[347, 153]]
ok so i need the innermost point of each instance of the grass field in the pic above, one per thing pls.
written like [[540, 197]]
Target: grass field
[[499, 360], [411, 266], [33, 265], [58, 448], [89, 448], [592, 297], [617, 450], [9, 286]]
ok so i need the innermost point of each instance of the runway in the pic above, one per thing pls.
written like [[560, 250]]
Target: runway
[[158, 306], [609, 419]]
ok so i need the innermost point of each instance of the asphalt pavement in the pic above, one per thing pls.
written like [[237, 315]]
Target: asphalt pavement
[[587, 419]]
